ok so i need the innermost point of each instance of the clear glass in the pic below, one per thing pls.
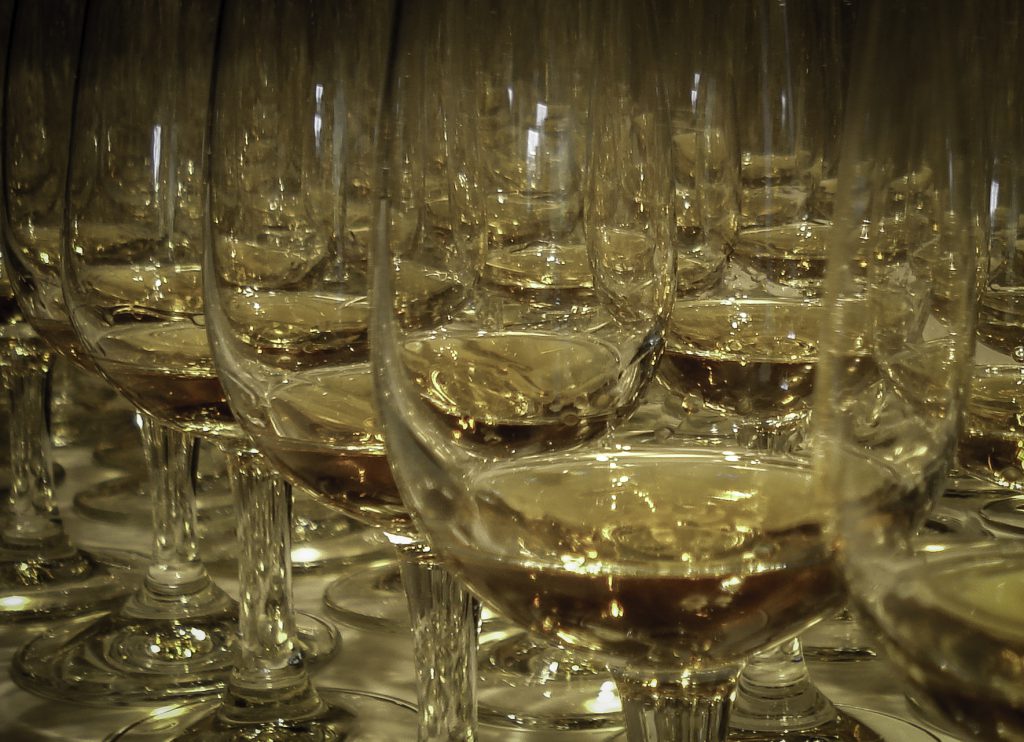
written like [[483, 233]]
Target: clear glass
[[132, 279], [756, 191], [558, 135], [291, 202], [173, 636], [910, 207], [705, 147], [42, 575]]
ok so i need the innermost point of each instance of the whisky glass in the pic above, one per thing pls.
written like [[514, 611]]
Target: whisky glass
[[130, 276], [292, 195], [41, 574], [173, 636], [913, 189]]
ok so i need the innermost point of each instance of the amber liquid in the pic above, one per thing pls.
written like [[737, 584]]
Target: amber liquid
[[992, 443], [520, 391], [322, 432], [955, 623], [751, 357], [656, 558], [165, 369]]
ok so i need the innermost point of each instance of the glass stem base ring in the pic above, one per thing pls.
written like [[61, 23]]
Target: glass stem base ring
[[342, 716], [369, 596]]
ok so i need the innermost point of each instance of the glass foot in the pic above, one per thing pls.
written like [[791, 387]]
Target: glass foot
[[889, 728], [123, 500], [838, 639], [884, 727], [122, 451], [1004, 516], [369, 596], [318, 639], [323, 537], [525, 684], [36, 587], [119, 659], [840, 728], [349, 716]]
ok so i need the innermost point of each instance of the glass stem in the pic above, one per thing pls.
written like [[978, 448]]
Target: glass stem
[[270, 680], [690, 707], [445, 624], [775, 693], [176, 568], [33, 514]]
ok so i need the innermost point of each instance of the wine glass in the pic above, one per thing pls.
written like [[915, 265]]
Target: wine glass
[[705, 150], [291, 209], [175, 635], [745, 369], [912, 190], [987, 450], [41, 574], [586, 540]]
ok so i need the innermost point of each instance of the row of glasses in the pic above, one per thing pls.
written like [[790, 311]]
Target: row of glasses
[[493, 416], [174, 634], [746, 369], [132, 276]]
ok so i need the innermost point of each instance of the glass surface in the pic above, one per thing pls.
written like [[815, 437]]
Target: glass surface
[[134, 160], [42, 575], [910, 216]]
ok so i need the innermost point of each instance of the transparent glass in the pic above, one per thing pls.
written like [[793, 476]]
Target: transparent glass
[[910, 208], [174, 635], [291, 208], [705, 147], [42, 575], [762, 126], [132, 279], [497, 422]]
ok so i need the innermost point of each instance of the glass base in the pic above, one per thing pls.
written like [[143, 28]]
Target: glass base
[[124, 660], [323, 537], [123, 500], [349, 716], [369, 596], [35, 587], [927, 712], [121, 451], [837, 639], [521, 683], [1004, 517], [841, 728], [525, 684], [884, 727]]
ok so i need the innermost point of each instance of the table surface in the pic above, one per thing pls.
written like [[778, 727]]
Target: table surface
[[367, 661]]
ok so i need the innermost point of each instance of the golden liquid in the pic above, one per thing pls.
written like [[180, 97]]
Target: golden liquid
[[792, 254], [518, 390], [322, 431], [744, 356], [654, 557], [165, 369], [955, 624], [992, 443]]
